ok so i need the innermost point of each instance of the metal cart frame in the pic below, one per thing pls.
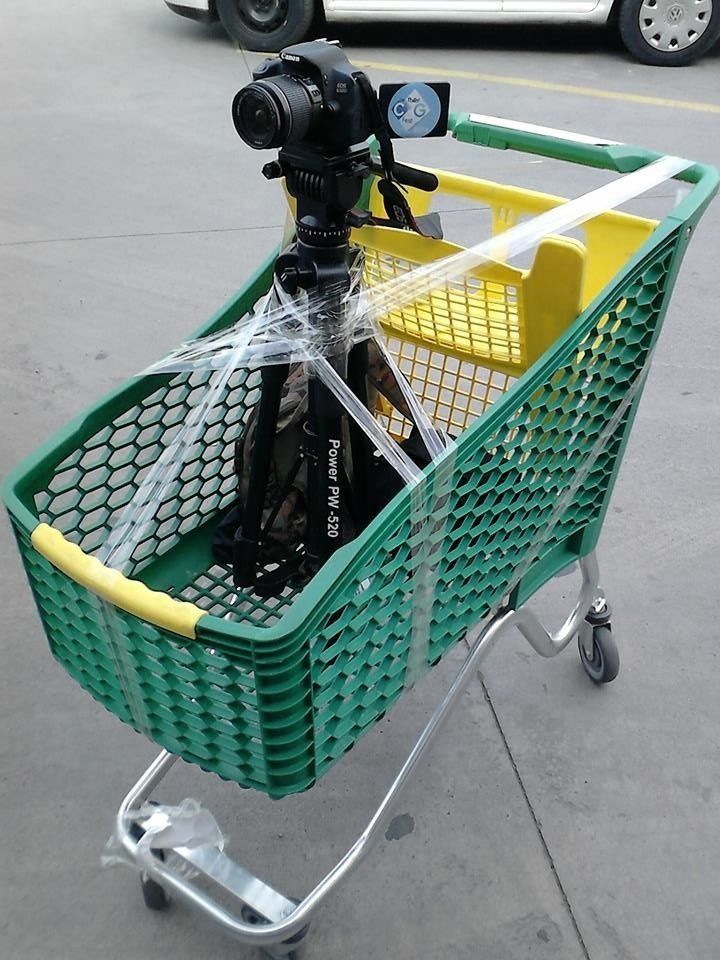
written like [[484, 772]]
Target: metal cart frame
[[268, 918]]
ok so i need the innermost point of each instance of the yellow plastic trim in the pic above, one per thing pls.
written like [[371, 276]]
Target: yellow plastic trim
[[552, 292], [506, 324], [611, 238], [177, 616]]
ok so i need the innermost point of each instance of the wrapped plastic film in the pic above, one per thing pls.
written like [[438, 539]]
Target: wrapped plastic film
[[158, 485], [281, 330], [501, 248], [187, 825]]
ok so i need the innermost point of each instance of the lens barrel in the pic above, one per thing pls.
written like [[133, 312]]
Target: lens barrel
[[279, 110]]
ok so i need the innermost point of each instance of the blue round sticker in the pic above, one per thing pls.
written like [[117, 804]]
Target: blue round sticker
[[414, 110]]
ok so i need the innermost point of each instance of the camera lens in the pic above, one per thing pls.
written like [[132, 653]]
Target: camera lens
[[256, 117], [273, 112]]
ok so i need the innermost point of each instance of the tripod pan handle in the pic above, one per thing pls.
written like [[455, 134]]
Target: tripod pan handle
[[410, 176]]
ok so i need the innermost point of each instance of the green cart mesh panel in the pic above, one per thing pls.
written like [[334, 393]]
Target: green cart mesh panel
[[197, 701], [92, 485], [502, 502]]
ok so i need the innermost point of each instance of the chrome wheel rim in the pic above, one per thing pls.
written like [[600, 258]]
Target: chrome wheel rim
[[263, 15], [671, 25]]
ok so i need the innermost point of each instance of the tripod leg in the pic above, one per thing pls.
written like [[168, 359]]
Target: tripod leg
[[324, 453], [363, 481], [247, 538]]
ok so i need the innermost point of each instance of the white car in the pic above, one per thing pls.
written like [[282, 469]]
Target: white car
[[670, 33]]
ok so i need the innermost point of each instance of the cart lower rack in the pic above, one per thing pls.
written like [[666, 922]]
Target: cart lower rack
[[537, 372]]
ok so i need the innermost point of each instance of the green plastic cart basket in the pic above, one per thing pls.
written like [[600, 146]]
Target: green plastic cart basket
[[532, 367]]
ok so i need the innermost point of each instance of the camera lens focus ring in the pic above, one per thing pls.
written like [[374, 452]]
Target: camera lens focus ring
[[272, 112]]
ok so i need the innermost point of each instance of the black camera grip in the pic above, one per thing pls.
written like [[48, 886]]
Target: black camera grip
[[409, 176]]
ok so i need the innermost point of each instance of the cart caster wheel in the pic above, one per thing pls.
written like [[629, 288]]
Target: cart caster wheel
[[291, 949], [294, 953], [153, 893], [604, 664]]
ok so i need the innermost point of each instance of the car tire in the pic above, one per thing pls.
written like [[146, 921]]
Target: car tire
[[267, 25], [660, 32]]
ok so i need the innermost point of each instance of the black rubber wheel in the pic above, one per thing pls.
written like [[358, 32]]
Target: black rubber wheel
[[669, 33], [153, 894], [605, 663], [267, 25], [297, 954]]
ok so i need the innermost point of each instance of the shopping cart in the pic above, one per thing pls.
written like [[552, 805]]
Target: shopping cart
[[536, 371]]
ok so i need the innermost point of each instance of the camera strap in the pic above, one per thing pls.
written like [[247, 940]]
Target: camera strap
[[380, 132], [400, 215]]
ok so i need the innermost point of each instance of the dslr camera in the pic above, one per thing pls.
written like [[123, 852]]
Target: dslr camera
[[310, 93]]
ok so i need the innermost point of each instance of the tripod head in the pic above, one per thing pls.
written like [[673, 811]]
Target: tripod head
[[320, 111]]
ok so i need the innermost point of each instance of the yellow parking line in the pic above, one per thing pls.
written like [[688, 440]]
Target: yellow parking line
[[647, 101]]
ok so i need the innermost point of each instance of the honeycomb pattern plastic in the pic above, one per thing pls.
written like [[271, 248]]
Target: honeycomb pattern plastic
[[91, 486]]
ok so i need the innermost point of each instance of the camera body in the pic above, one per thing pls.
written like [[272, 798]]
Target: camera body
[[309, 94]]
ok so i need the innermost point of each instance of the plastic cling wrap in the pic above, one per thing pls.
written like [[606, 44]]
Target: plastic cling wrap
[[186, 826]]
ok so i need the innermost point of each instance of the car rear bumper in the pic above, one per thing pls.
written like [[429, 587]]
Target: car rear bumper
[[203, 10]]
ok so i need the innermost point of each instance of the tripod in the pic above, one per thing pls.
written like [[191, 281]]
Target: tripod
[[326, 188]]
